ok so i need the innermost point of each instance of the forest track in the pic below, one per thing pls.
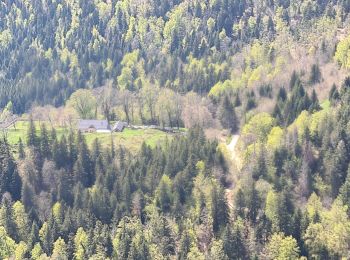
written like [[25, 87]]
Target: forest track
[[234, 164]]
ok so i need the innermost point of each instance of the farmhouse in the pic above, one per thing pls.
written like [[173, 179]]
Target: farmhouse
[[90, 126], [119, 126]]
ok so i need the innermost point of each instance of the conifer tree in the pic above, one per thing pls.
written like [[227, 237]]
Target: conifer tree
[[227, 115], [7, 218], [9, 177], [45, 147], [315, 74], [219, 210], [32, 138], [21, 153], [234, 243], [239, 203], [83, 165], [315, 105], [334, 95]]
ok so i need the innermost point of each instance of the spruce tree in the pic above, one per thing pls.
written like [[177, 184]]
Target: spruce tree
[[9, 178], [234, 243], [315, 105], [21, 152], [315, 74], [239, 203], [7, 218], [227, 115], [45, 147], [334, 95], [84, 166], [32, 138], [219, 210]]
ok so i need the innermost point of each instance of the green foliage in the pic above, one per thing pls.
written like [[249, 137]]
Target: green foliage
[[342, 53], [7, 244], [21, 250], [315, 74], [127, 196], [84, 103], [259, 126], [281, 247], [227, 115], [331, 234], [59, 249], [164, 197], [80, 244], [9, 177]]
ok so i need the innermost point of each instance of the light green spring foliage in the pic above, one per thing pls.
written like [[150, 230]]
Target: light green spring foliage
[[7, 244], [80, 244], [202, 188], [281, 247], [221, 87], [84, 103], [59, 250], [57, 212], [195, 254], [300, 123], [43, 233], [259, 126], [311, 121], [132, 74], [261, 63], [21, 220], [275, 137], [217, 251], [255, 134], [9, 249], [177, 24], [342, 54], [164, 197], [314, 206], [125, 235], [36, 252], [5, 38], [332, 232], [272, 209], [21, 250], [104, 8], [317, 119]]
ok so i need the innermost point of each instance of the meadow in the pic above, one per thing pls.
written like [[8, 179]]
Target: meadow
[[131, 139]]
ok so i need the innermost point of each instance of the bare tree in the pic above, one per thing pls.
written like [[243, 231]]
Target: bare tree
[[195, 111], [149, 95], [125, 100]]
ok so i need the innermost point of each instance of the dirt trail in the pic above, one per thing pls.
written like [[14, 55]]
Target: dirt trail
[[232, 149], [232, 146]]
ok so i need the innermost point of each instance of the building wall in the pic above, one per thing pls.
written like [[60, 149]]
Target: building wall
[[103, 131]]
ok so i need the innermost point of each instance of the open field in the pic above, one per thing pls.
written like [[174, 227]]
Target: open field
[[129, 138]]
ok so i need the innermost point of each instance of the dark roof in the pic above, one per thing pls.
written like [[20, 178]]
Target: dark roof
[[97, 124], [119, 126]]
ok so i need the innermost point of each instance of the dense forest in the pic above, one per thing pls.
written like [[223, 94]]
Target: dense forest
[[49, 49], [258, 91]]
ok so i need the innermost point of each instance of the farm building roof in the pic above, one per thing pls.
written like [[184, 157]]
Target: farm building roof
[[97, 124]]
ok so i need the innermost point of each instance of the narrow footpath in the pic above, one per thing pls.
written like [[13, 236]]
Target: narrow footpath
[[233, 154]]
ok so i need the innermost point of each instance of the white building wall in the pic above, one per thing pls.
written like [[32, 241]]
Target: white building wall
[[103, 131]]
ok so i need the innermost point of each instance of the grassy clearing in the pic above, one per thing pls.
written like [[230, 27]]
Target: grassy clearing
[[129, 138]]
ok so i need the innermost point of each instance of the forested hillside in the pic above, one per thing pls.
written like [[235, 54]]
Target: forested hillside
[[244, 107], [48, 49]]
